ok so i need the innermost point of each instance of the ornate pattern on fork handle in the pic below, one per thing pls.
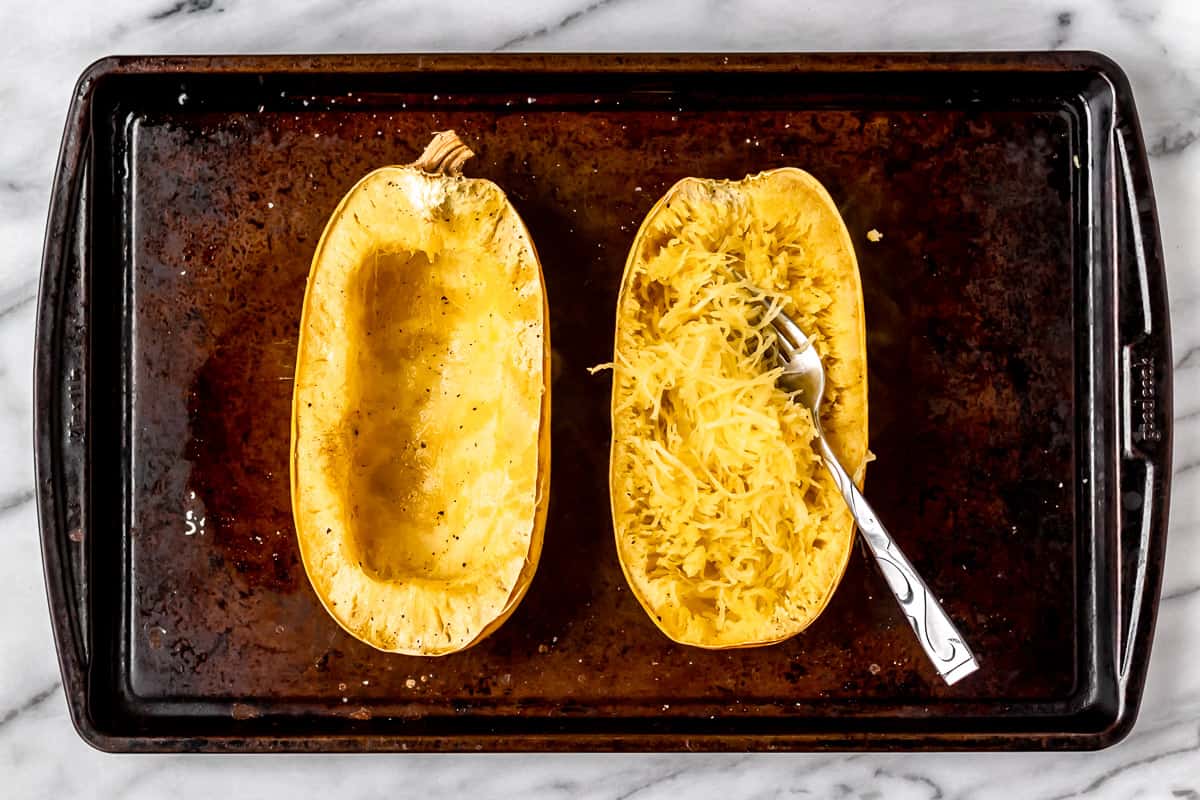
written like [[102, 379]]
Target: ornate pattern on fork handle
[[938, 636]]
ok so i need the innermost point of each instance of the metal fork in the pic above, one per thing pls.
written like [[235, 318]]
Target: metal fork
[[804, 375]]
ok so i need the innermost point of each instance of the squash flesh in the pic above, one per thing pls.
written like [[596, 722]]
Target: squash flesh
[[729, 529], [420, 424]]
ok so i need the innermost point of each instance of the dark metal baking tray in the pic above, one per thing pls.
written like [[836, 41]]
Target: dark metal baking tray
[[1020, 397]]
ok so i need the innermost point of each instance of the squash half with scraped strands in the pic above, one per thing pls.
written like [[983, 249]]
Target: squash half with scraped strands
[[729, 529], [420, 458]]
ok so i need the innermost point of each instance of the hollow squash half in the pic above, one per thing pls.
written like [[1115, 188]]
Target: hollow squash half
[[728, 527], [420, 450]]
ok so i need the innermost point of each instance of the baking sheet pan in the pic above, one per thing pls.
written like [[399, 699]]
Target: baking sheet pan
[[1019, 380]]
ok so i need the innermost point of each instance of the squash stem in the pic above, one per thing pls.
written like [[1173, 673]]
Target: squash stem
[[444, 155]]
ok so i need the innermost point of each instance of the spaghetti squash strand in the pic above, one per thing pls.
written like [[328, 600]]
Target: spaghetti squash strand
[[723, 497]]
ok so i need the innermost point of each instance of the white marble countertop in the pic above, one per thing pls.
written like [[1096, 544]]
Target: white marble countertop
[[47, 45]]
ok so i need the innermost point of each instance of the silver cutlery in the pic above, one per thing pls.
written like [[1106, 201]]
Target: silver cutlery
[[804, 376]]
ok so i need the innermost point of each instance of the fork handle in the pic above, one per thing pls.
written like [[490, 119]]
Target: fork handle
[[938, 636]]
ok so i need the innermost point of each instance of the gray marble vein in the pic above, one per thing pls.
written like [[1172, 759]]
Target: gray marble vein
[[186, 7], [1112, 774], [1172, 145], [1062, 32], [15, 501], [1180, 593], [48, 45], [22, 300], [560, 25], [33, 702]]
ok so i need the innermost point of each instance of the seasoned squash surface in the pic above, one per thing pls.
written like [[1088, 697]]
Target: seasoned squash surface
[[420, 438]]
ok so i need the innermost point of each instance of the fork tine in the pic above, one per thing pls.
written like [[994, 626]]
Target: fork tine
[[789, 330], [785, 348], [790, 339]]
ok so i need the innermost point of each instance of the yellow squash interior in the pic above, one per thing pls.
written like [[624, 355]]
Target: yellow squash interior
[[729, 529], [421, 412]]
